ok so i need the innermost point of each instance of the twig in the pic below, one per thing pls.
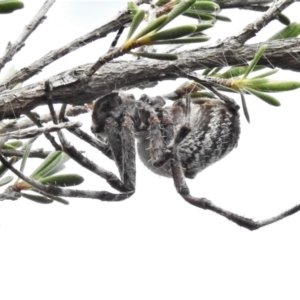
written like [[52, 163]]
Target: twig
[[12, 49], [34, 117], [39, 153], [25, 134], [251, 29], [120, 20], [23, 123], [242, 3]]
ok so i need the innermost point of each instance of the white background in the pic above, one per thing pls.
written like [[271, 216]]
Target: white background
[[154, 245]]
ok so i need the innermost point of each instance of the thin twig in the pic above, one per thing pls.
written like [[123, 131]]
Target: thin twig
[[243, 3], [253, 28], [39, 153], [25, 134], [120, 20], [34, 117], [12, 49], [23, 123]]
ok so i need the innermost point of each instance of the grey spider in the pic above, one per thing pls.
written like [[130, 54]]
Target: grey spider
[[176, 141]]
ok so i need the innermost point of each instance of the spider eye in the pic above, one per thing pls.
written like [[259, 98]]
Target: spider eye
[[149, 102]]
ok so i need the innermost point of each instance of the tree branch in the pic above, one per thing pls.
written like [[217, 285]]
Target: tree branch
[[12, 49], [68, 88]]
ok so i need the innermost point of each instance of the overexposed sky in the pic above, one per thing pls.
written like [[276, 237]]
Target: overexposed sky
[[155, 245]]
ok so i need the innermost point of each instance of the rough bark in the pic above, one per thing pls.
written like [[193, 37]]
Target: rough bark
[[70, 87]]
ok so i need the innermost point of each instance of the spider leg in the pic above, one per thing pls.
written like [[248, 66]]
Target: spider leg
[[111, 178], [183, 190], [52, 190], [171, 141], [122, 144], [104, 148]]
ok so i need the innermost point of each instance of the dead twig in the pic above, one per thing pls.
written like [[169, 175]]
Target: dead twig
[[12, 49]]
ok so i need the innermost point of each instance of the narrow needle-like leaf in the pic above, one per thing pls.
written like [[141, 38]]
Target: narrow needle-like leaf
[[178, 9], [265, 97], [136, 21], [150, 27], [244, 105], [6, 180], [160, 56], [255, 60]]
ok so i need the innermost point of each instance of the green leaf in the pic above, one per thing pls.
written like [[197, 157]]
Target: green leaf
[[173, 33], [290, 31], [55, 198], [203, 94], [206, 72], [162, 2], [6, 180], [60, 200], [12, 145], [198, 15], [63, 180], [283, 19], [150, 27], [244, 105], [37, 198], [25, 156], [237, 71], [160, 56], [132, 7], [52, 164], [178, 9], [214, 71], [265, 85], [223, 18], [182, 41], [265, 97], [8, 6], [265, 74], [136, 21], [255, 60], [203, 26], [206, 6]]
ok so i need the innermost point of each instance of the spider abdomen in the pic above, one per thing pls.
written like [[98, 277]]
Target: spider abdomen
[[214, 133]]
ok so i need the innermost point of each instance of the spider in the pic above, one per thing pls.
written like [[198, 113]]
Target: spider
[[177, 141]]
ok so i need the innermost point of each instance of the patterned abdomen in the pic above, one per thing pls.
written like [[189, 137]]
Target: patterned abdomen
[[215, 130]]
